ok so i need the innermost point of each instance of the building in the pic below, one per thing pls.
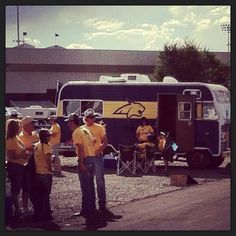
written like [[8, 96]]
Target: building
[[32, 74]]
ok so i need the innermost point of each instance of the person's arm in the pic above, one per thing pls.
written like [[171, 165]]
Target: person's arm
[[138, 134], [81, 157], [104, 142], [151, 130], [49, 160]]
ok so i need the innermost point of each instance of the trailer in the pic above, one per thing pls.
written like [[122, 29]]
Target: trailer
[[39, 113], [196, 115]]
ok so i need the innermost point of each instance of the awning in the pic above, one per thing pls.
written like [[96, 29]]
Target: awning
[[22, 104]]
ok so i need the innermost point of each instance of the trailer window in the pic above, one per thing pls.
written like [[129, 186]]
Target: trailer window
[[96, 105], [71, 106], [184, 110], [209, 112], [80, 106], [199, 112], [222, 96], [195, 92], [38, 113]]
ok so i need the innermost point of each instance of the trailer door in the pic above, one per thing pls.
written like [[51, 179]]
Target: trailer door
[[185, 106]]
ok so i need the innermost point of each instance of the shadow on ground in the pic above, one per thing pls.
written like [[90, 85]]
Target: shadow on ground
[[28, 223], [211, 173]]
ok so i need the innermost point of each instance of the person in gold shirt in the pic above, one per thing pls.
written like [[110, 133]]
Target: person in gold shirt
[[142, 133], [83, 142], [28, 137], [100, 142], [43, 178], [55, 141], [17, 157]]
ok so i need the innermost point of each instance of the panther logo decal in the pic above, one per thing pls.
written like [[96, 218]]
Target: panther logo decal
[[131, 109]]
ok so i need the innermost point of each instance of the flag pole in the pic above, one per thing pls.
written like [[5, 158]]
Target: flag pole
[[18, 25]]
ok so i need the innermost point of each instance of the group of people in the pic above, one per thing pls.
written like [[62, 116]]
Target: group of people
[[146, 137], [89, 140], [23, 143]]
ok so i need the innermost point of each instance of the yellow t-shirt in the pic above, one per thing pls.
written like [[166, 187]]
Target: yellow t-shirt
[[143, 131], [15, 144], [55, 129], [83, 137], [97, 132], [42, 161], [28, 139]]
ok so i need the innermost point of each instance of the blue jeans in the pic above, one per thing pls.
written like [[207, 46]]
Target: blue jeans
[[19, 178], [100, 181], [87, 186], [43, 190]]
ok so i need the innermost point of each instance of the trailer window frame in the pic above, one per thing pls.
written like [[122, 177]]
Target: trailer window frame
[[194, 92], [183, 111], [79, 111], [209, 111]]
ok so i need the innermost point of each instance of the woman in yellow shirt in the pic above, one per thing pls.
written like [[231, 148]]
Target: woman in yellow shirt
[[17, 157], [43, 164]]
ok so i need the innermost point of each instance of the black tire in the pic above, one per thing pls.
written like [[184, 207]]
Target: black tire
[[198, 160], [216, 161]]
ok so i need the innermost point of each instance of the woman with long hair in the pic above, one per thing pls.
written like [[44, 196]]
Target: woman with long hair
[[17, 157], [43, 164]]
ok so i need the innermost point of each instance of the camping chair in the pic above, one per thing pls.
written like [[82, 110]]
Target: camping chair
[[109, 149], [126, 159], [140, 160], [150, 158], [110, 156]]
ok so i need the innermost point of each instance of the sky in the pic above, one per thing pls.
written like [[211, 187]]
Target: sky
[[146, 28]]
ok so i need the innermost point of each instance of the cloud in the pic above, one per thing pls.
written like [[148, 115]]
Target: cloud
[[151, 36], [179, 41], [185, 22], [203, 24], [106, 25], [34, 42], [222, 20], [78, 46]]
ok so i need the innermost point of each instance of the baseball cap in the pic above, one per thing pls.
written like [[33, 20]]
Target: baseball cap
[[162, 133], [72, 117], [90, 113], [27, 120]]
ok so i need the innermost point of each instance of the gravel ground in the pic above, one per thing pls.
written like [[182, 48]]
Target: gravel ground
[[66, 194]]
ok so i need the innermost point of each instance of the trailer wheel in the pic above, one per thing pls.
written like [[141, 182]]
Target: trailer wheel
[[216, 161], [198, 159]]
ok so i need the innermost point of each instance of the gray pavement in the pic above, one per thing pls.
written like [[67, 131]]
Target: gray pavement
[[200, 207]]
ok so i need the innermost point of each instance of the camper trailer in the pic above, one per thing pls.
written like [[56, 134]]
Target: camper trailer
[[39, 113], [196, 115]]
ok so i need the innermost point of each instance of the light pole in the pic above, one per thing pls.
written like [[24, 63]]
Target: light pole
[[227, 28]]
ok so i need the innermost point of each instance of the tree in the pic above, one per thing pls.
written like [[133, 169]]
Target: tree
[[190, 63]]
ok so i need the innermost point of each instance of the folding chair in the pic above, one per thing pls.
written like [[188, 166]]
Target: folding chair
[[110, 156], [150, 158], [126, 159], [140, 160]]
